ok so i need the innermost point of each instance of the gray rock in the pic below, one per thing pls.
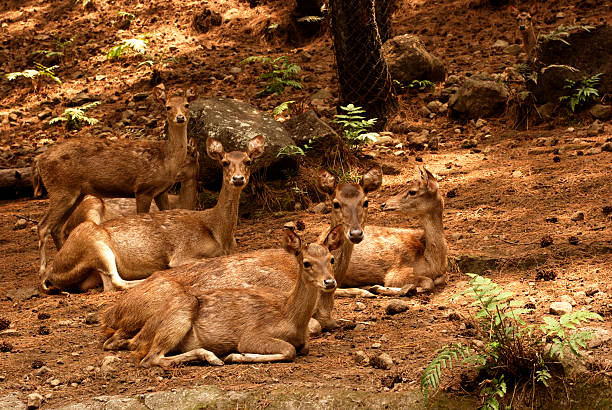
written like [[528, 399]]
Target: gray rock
[[361, 358], [560, 308], [591, 290], [417, 141], [390, 169], [593, 151], [308, 125], [607, 146], [513, 49], [234, 123], [577, 216], [359, 306], [601, 112], [396, 306], [600, 337], [42, 371], [479, 97], [124, 403], [322, 94], [595, 129], [34, 400], [424, 112], [55, 382], [22, 294], [408, 60], [92, 318], [382, 361], [12, 401], [469, 143], [547, 110], [435, 106], [110, 364], [320, 208], [20, 224], [500, 44], [480, 123], [81, 99]]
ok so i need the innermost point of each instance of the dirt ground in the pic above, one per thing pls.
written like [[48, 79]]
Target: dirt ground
[[501, 198]]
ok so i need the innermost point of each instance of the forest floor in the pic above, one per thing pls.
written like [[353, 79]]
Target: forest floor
[[501, 197]]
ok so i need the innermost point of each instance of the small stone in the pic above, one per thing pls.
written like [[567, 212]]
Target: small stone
[[591, 290], [34, 400], [398, 153], [578, 216], [235, 70], [20, 224], [55, 382], [360, 327], [601, 112], [456, 236], [480, 123], [500, 44], [109, 363], [434, 106], [424, 111], [361, 358], [396, 306], [607, 146], [320, 208], [468, 143], [359, 306], [390, 169], [42, 371], [89, 369], [91, 318], [595, 129], [546, 240], [593, 151], [382, 361], [376, 345], [573, 240], [560, 308], [513, 49]]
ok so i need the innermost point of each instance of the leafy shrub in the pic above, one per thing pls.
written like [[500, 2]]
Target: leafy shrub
[[582, 91], [131, 45], [36, 75], [290, 150], [75, 118], [421, 85], [562, 32], [355, 126], [511, 351], [283, 74]]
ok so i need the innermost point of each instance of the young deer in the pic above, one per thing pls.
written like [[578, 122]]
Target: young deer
[[122, 251], [403, 258], [99, 210], [265, 267], [525, 24], [145, 169], [249, 325]]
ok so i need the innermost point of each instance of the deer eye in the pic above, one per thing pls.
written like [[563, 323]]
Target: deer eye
[[332, 261], [412, 192], [225, 163], [336, 205], [186, 105], [247, 162], [366, 203], [168, 108], [307, 264]]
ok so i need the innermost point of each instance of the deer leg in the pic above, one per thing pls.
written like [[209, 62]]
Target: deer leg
[[143, 202], [118, 341], [262, 349], [354, 292], [323, 311], [162, 202], [405, 279], [107, 257]]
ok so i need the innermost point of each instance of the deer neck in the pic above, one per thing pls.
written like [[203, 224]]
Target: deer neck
[[224, 216], [176, 146], [435, 245], [529, 37], [343, 258], [301, 302]]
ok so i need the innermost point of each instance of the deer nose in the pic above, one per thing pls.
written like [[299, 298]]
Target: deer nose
[[329, 283], [356, 235], [180, 119], [238, 180], [383, 206]]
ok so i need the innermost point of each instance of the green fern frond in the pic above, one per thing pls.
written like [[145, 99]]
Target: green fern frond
[[430, 379]]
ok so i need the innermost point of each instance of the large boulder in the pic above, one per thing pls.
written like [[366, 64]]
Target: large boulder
[[308, 126], [588, 51], [408, 60], [235, 123], [480, 96]]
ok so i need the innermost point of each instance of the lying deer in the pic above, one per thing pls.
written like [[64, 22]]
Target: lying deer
[[125, 250], [145, 169], [265, 267], [249, 325], [525, 24], [403, 259], [99, 210]]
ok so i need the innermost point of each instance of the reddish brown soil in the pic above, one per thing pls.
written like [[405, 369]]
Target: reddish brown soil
[[503, 192]]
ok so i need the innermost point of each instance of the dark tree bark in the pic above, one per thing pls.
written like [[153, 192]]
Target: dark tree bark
[[308, 8], [384, 12], [363, 75]]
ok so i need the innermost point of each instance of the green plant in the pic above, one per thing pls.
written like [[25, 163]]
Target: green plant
[[75, 118], [283, 74], [60, 46], [282, 107], [355, 126], [511, 351], [582, 91], [562, 32], [35, 75], [421, 85], [290, 150], [137, 45]]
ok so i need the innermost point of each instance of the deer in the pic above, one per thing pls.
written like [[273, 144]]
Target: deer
[[246, 325], [98, 210], [122, 252], [264, 267], [145, 169], [525, 25], [397, 261]]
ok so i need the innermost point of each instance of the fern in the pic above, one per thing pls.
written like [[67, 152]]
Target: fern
[[430, 379], [584, 91], [354, 125], [75, 117], [562, 32], [283, 74], [40, 71], [282, 107], [137, 45]]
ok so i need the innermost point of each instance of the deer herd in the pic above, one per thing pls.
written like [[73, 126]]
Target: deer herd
[[188, 295]]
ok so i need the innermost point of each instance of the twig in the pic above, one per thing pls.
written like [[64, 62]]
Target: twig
[[26, 218]]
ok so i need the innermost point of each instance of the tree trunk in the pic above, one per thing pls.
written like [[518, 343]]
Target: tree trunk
[[15, 182], [308, 8], [363, 75], [384, 12]]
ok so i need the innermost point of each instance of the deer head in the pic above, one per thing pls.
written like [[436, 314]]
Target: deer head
[[177, 106], [523, 18], [236, 164], [315, 259], [418, 198], [350, 201]]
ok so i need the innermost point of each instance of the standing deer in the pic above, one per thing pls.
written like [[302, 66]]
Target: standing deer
[[525, 25], [265, 267], [99, 210], [249, 325], [145, 169], [403, 258], [122, 251]]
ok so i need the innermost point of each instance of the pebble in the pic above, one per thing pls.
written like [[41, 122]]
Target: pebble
[[92, 318], [34, 400], [560, 308], [398, 153], [397, 306], [382, 361], [361, 358], [468, 143], [577, 216], [55, 382], [480, 123], [42, 371], [376, 345], [320, 208], [596, 128], [20, 224], [593, 151], [108, 363], [359, 306], [360, 327], [591, 290]]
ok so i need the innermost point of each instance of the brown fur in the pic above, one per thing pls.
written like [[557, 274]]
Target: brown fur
[[527, 30], [124, 250], [259, 324], [144, 169]]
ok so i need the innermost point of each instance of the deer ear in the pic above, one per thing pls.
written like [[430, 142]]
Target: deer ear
[[430, 181], [291, 241], [534, 8], [334, 238], [191, 93], [326, 182], [214, 149], [159, 92], [255, 147], [371, 180]]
